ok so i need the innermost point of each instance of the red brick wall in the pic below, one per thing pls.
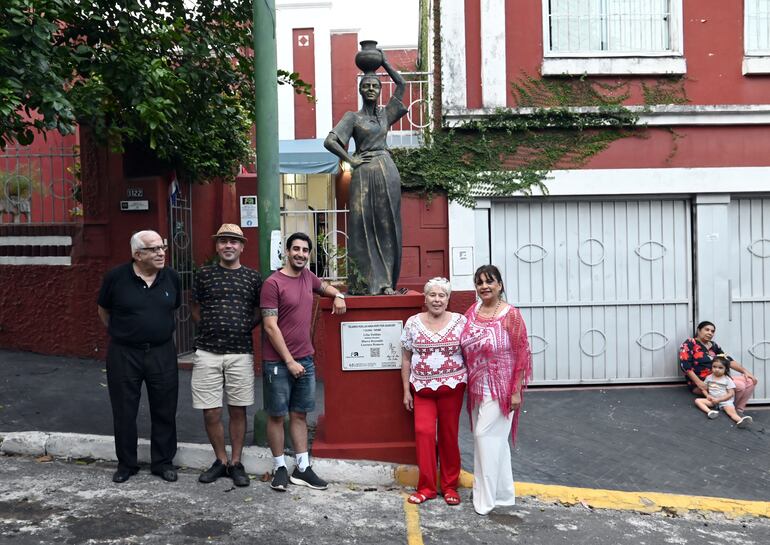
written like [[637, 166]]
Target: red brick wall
[[344, 72], [52, 309]]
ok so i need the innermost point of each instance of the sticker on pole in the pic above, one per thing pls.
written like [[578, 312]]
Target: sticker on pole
[[249, 216], [276, 250]]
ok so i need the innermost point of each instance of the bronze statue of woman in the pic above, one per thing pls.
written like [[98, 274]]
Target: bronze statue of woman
[[374, 220]]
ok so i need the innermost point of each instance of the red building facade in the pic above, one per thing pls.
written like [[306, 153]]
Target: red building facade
[[652, 234]]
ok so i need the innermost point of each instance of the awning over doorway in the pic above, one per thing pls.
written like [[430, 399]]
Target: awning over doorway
[[306, 157]]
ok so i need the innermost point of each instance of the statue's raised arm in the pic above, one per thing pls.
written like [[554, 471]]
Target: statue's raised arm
[[374, 220]]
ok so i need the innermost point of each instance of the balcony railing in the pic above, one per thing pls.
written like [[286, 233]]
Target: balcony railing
[[406, 131]]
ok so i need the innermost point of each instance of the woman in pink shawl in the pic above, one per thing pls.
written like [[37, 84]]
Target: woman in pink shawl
[[496, 351]]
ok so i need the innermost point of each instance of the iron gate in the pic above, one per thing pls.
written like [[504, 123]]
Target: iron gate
[[603, 285], [181, 251], [749, 290]]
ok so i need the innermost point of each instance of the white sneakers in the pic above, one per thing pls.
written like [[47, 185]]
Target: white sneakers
[[744, 422]]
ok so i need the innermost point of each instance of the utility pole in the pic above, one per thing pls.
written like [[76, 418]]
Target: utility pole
[[268, 179], [266, 121]]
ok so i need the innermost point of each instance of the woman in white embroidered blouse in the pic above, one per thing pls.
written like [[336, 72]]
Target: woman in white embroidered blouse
[[434, 378]]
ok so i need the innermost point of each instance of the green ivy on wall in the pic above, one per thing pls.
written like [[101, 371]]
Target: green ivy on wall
[[560, 123]]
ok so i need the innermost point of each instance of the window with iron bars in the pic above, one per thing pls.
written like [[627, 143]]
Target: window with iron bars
[[611, 27], [308, 205], [757, 27]]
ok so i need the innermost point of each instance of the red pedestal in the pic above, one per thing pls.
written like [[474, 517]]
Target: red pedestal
[[364, 417]]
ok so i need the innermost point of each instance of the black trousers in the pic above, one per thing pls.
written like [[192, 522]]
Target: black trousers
[[127, 368]]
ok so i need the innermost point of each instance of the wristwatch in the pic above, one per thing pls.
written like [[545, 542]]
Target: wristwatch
[[339, 295]]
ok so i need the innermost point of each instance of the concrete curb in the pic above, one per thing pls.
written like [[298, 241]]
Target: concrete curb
[[256, 460], [259, 461]]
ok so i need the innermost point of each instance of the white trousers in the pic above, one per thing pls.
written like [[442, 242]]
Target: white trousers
[[492, 473]]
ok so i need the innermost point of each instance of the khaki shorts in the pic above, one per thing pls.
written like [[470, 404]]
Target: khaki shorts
[[215, 374]]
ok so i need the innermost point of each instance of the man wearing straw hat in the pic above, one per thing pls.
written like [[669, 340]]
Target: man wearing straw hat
[[226, 307]]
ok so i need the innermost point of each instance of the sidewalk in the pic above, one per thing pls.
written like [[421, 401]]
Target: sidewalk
[[640, 439]]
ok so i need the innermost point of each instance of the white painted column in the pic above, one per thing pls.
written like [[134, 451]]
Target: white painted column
[[285, 57], [453, 75], [468, 243], [711, 266], [493, 83], [323, 76]]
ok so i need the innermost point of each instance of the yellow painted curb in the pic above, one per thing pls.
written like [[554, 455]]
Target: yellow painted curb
[[642, 501], [406, 475], [647, 502], [466, 479], [412, 515]]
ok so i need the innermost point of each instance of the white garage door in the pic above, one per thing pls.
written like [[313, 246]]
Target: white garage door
[[749, 319], [603, 285]]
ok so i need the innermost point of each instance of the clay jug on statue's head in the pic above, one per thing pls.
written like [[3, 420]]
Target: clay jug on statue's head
[[368, 60]]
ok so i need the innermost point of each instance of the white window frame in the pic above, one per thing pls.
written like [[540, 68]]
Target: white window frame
[[755, 61], [557, 63]]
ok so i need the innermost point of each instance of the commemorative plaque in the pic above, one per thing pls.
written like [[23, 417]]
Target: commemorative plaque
[[371, 346]]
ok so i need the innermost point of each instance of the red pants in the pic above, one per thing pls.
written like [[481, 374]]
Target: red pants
[[440, 407]]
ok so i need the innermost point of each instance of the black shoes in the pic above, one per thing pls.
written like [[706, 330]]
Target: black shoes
[[308, 478], [123, 474], [238, 474], [235, 471], [280, 479], [167, 474], [217, 470]]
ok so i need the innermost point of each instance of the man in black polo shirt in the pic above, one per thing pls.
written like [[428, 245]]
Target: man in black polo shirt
[[137, 303], [227, 309]]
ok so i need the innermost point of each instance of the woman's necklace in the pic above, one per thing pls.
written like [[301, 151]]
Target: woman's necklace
[[494, 312]]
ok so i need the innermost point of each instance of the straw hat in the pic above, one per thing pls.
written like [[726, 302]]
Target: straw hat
[[230, 230]]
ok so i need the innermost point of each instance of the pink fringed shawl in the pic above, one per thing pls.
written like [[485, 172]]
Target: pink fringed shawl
[[496, 352]]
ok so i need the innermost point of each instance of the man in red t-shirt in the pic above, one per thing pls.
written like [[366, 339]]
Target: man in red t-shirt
[[287, 357]]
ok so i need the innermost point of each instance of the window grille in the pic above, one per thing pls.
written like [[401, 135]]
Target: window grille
[[40, 184], [757, 27], [610, 26]]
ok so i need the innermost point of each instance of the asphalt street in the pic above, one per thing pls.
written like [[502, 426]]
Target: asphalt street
[[650, 439], [44, 501]]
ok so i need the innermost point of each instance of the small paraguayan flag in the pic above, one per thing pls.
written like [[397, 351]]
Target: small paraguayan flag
[[174, 190]]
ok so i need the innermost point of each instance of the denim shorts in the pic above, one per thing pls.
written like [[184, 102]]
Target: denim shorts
[[286, 393]]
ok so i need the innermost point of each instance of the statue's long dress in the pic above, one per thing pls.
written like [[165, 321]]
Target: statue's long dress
[[374, 221]]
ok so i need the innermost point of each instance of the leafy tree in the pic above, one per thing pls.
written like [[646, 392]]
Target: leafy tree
[[172, 74], [33, 74]]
